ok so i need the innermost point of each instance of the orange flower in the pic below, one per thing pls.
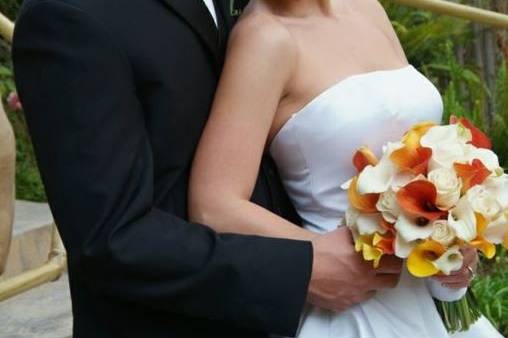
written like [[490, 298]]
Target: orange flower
[[480, 140], [471, 174], [385, 242], [364, 157], [365, 203], [418, 198], [413, 157], [413, 160], [480, 242]]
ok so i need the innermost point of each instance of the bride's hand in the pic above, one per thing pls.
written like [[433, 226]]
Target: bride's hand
[[461, 278]]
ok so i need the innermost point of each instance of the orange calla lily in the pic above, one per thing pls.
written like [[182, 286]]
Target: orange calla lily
[[420, 262], [413, 160], [480, 242], [385, 243], [418, 198], [471, 174], [480, 140], [364, 157], [365, 203], [388, 226]]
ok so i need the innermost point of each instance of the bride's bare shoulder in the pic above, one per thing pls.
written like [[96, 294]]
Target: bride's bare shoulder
[[374, 10], [262, 30]]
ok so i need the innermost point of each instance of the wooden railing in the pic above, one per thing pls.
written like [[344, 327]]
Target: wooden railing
[[57, 259]]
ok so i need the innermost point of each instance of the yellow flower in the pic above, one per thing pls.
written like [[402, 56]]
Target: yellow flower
[[414, 135], [480, 242], [420, 262], [364, 244]]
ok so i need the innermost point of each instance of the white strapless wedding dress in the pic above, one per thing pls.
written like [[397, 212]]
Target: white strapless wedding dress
[[313, 152]]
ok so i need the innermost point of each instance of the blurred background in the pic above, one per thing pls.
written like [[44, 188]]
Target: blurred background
[[467, 61]]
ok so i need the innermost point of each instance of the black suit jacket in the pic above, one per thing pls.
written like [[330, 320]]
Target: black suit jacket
[[116, 94]]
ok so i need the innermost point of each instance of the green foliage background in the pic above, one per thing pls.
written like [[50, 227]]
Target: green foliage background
[[429, 41]]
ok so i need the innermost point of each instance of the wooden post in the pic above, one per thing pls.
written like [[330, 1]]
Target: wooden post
[[7, 191]]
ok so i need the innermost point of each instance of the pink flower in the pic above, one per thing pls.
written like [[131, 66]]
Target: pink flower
[[13, 101]]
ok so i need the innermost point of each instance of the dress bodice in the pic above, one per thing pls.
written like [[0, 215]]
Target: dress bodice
[[314, 148]]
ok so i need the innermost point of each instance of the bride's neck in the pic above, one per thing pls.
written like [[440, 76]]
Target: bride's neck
[[302, 8]]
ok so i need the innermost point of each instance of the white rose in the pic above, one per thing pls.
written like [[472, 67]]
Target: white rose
[[448, 187], [388, 206], [483, 202], [442, 232]]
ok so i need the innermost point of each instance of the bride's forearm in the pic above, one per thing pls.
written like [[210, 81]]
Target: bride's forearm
[[245, 217]]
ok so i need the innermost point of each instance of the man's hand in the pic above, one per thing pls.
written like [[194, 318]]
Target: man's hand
[[341, 278], [462, 278]]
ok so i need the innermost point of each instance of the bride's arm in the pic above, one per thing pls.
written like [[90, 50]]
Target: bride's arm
[[259, 64]]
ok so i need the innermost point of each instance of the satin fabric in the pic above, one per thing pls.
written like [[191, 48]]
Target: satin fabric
[[313, 152]]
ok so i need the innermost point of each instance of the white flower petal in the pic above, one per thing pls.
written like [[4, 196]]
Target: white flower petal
[[498, 186], [368, 224], [346, 185], [483, 202], [486, 156], [352, 215], [402, 247], [388, 206], [411, 231], [376, 179], [497, 230], [451, 260], [463, 220]]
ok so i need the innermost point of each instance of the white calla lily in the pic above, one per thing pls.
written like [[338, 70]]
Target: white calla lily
[[498, 186], [376, 179], [497, 230], [447, 134], [402, 247], [462, 220], [451, 260], [483, 202], [346, 185], [489, 159], [409, 230], [368, 224]]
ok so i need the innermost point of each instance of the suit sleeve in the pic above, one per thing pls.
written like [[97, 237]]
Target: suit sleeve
[[95, 158]]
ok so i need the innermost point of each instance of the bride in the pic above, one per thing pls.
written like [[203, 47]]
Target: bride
[[310, 81]]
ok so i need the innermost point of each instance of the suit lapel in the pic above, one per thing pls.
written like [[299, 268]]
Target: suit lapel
[[196, 15]]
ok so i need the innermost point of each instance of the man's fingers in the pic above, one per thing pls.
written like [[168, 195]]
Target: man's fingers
[[456, 285], [366, 296], [388, 281], [390, 265]]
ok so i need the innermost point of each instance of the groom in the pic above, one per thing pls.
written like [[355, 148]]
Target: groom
[[116, 94]]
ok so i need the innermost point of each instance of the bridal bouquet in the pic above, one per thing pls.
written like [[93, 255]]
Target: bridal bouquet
[[438, 189]]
